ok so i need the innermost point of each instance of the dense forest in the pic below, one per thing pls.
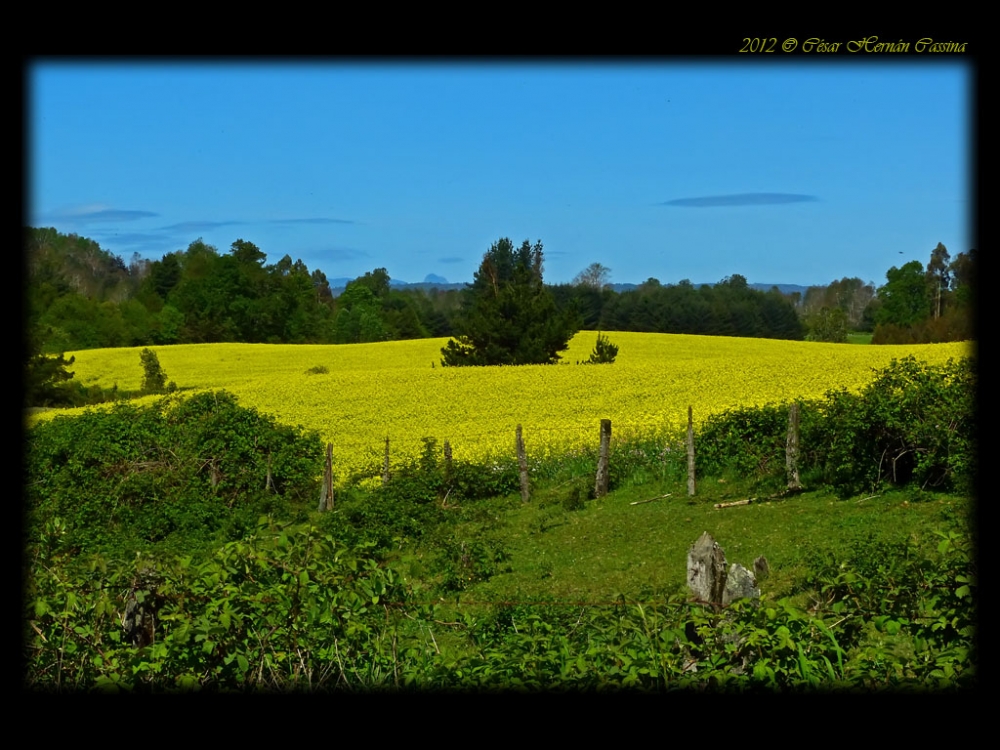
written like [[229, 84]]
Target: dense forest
[[80, 296]]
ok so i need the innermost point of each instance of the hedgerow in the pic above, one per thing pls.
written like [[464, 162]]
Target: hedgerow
[[182, 469]]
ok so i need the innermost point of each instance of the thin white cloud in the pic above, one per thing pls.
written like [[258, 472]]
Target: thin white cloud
[[97, 212], [742, 199]]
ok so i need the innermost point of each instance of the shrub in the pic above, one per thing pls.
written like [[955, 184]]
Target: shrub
[[154, 379], [131, 476], [913, 423], [604, 352]]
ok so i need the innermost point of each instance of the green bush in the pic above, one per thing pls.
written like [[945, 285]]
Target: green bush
[[131, 476], [747, 442], [285, 609], [913, 423], [154, 379]]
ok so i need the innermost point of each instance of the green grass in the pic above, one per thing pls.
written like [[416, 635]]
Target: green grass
[[612, 548], [859, 338]]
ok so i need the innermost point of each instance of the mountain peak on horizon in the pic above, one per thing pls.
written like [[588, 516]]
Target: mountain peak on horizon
[[433, 278]]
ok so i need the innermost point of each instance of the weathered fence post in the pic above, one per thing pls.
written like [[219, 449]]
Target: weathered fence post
[[385, 463], [447, 462], [706, 570], [601, 485], [522, 465], [326, 493], [690, 451], [269, 482], [792, 448]]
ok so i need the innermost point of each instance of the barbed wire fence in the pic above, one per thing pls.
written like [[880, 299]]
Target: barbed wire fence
[[648, 442]]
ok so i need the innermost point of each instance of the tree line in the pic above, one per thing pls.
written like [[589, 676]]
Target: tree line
[[80, 296]]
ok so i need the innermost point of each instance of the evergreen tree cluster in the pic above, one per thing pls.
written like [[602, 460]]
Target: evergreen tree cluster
[[729, 308], [508, 315]]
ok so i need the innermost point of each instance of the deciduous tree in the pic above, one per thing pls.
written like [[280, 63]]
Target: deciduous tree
[[595, 275]]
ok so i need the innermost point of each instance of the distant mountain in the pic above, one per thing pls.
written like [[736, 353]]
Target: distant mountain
[[783, 288], [623, 287], [433, 281]]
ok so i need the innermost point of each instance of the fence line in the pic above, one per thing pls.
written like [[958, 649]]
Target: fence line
[[602, 477]]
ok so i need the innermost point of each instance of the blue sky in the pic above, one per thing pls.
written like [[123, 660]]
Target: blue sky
[[782, 172]]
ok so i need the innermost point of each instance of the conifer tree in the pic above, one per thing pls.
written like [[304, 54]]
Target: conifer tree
[[508, 316]]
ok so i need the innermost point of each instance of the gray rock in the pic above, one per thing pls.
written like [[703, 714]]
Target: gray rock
[[706, 570], [740, 584]]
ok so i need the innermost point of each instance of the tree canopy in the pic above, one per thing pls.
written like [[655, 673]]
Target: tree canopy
[[509, 316], [595, 275]]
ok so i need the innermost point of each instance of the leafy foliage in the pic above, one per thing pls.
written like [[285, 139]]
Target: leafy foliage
[[935, 305], [914, 423], [186, 471], [285, 609], [154, 379], [746, 442], [45, 378], [828, 325], [416, 499]]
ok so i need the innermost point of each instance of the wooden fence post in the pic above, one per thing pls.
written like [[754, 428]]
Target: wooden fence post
[[269, 482], [601, 485], [522, 465], [792, 448], [326, 493], [447, 462], [690, 452], [385, 463]]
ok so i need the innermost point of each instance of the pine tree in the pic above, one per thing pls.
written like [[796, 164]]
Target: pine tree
[[508, 315], [604, 352]]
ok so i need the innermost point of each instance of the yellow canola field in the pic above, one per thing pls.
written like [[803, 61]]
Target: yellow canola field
[[399, 389]]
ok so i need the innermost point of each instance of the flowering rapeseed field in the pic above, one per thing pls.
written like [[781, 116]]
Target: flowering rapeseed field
[[399, 389]]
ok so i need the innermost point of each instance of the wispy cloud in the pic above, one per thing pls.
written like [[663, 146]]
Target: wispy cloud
[[451, 260], [317, 220], [97, 212], [199, 226], [742, 199]]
